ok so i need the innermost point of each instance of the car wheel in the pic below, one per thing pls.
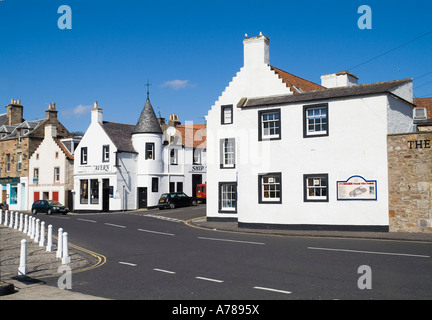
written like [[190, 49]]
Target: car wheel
[[34, 211], [172, 205], [49, 212], [194, 203]]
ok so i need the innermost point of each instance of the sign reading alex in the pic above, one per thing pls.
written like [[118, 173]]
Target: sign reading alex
[[357, 188]]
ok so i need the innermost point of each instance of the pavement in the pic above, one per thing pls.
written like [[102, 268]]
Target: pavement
[[42, 264]]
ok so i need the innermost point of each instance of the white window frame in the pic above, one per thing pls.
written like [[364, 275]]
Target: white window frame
[[227, 149], [268, 121], [314, 185], [270, 187], [316, 120], [227, 197]]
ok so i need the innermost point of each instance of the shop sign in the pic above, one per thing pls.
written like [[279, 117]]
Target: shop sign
[[357, 188]]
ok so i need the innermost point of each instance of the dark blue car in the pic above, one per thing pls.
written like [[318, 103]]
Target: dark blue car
[[49, 207]]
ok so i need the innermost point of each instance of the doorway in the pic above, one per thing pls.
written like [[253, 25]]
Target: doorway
[[105, 195], [196, 180], [142, 198]]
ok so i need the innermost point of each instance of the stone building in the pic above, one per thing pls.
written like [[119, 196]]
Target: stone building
[[410, 182], [19, 138]]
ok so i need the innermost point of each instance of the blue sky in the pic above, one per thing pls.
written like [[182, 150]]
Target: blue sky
[[190, 50]]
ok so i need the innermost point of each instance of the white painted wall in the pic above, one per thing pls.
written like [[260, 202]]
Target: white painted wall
[[44, 158]]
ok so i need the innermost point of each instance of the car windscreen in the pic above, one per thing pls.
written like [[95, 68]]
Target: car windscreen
[[54, 203]]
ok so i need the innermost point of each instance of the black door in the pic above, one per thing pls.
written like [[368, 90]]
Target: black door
[[105, 195], [196, 180], [142, 198]]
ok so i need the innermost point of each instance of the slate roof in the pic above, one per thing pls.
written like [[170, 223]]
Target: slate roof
[[120, 134], [330, 93], [147, 122]]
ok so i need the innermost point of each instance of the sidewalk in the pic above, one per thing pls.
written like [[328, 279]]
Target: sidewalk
[[232, 227], [40, 265]]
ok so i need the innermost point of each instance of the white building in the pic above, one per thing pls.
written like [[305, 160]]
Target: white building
[[105, 167], [51, 169], [127, 167], [284, 152]]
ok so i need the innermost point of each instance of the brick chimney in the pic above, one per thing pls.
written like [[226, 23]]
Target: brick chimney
[[14, 112]]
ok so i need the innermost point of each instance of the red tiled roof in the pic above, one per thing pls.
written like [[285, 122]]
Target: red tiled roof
[[424, 103], [296, 84], [193, 135]]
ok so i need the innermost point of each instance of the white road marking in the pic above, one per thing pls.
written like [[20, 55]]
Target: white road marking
[[86, 220], [128, 263], [228, 240], [165, 271], [114, 225], [208, 279], [157, 232], [273, 290], [371, 252]]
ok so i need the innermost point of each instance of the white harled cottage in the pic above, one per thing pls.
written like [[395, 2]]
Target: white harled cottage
[[127, 167], [284, 152]]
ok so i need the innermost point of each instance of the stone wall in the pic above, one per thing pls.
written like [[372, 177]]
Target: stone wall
[[410, 182]]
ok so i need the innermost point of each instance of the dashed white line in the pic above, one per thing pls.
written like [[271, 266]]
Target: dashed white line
[[165, 271], [157, 232], [114, 225], [209, 279], [273, 290], [229, 240], [128, 263], [86, 220], [371, 252]]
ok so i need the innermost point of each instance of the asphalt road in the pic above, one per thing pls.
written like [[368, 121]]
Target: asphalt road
[[162, 258]]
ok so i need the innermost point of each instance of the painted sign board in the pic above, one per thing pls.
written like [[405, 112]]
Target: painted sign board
[[357, 188]]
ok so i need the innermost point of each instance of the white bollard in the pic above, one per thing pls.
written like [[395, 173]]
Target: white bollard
[[16, 221], [36, 237], [29, 226], [6, 218], [49, 240], [22, 269], [21, 226], [59, 252], [32, 228], [11, 219], [42, 235], [25, 224], [65, 257]]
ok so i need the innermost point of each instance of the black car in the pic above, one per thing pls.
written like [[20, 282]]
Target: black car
[[175, 199], [49, 207]]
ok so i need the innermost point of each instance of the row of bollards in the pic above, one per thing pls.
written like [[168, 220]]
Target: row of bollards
[[35, 229]]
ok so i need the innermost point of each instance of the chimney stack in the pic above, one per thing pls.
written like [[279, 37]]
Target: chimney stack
[[340, 79], [51, 113], [14, 112], [96, 113], [256, 51]]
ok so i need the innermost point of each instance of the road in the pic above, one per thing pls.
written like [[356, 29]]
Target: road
[[154, 258]]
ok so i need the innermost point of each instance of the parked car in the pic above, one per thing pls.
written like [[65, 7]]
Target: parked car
[[175, 199], [49, 207], [4, 206]]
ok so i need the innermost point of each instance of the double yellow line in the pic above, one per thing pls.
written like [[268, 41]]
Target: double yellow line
[[101, 260]]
